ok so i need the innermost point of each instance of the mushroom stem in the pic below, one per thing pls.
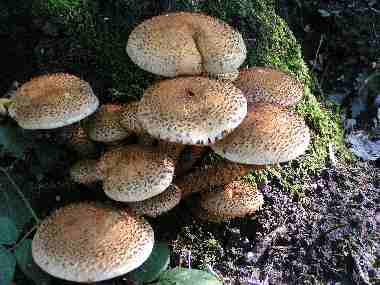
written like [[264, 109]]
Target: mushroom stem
[[217, 175]]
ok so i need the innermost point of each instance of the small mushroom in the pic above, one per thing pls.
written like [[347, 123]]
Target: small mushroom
[[268, 135], [75, 137], [186, 44], [52, 101], [88, 242], [159, 204], [236, 199], [105, 125], [85, 172], [268, 85], [191, 110], [219, 174], [136, 173]]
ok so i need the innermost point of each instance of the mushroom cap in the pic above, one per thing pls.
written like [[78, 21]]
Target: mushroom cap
[[236, 199], [77, 139], [52, 101], [84, 171], [186, 44], [141, 173], [105, 125], [159, 204], [191, 110], [268, 85], [88, 242], [268, 135], [109, 160], [129, 118]]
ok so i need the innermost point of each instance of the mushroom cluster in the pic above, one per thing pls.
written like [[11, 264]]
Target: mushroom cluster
[[208, 104]]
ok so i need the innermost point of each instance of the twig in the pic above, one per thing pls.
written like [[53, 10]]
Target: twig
[[22, 196], [24, 237]]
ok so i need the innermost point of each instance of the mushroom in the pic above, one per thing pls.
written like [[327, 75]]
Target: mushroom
[[105, 125], [85, 172], [52, 101], [191, 110], [268, 85], [268, 135], [219, 174], [236, 199], [88, 242], [75, 137], [135, 173], [187, 44], [159, 204]]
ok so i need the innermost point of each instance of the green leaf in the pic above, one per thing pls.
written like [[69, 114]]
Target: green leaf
[[13, 140], [184, 276], [8, 231], [157, 263], [25, 261], [7, 266], [11, 205]]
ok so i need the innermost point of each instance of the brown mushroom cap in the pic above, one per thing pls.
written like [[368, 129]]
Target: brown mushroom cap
[[105, 125], [52, 101], [88, 242], [186, 44], [218, 174], [141, 173], [268, 135], [191, 110], [159, 204], [236, 199], [84, 171], [268, 85]]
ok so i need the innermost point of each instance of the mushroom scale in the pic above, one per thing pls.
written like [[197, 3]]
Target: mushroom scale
[[88, 242], [268, 85], [52, 101], [191, 110], [141, 172], [236, 199], [186, 44], [268, 135]]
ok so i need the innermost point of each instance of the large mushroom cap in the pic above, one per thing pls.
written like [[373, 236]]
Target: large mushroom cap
[[186, 44], [142, 172], [88, 242], [236, 199], [191, 110], [105, 125], [129, 118], [268, 85], [268, 135], [52, 101]]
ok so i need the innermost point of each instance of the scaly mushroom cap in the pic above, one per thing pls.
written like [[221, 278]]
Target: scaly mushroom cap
[[268, 135], [109, 160], [191, 110], [52, 101], [88, 242], [129, 118], [141, 173], [159, 204], [84, 172], [186, 44], [105, 125], [77, 139], [268, 85], [236, 199]]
